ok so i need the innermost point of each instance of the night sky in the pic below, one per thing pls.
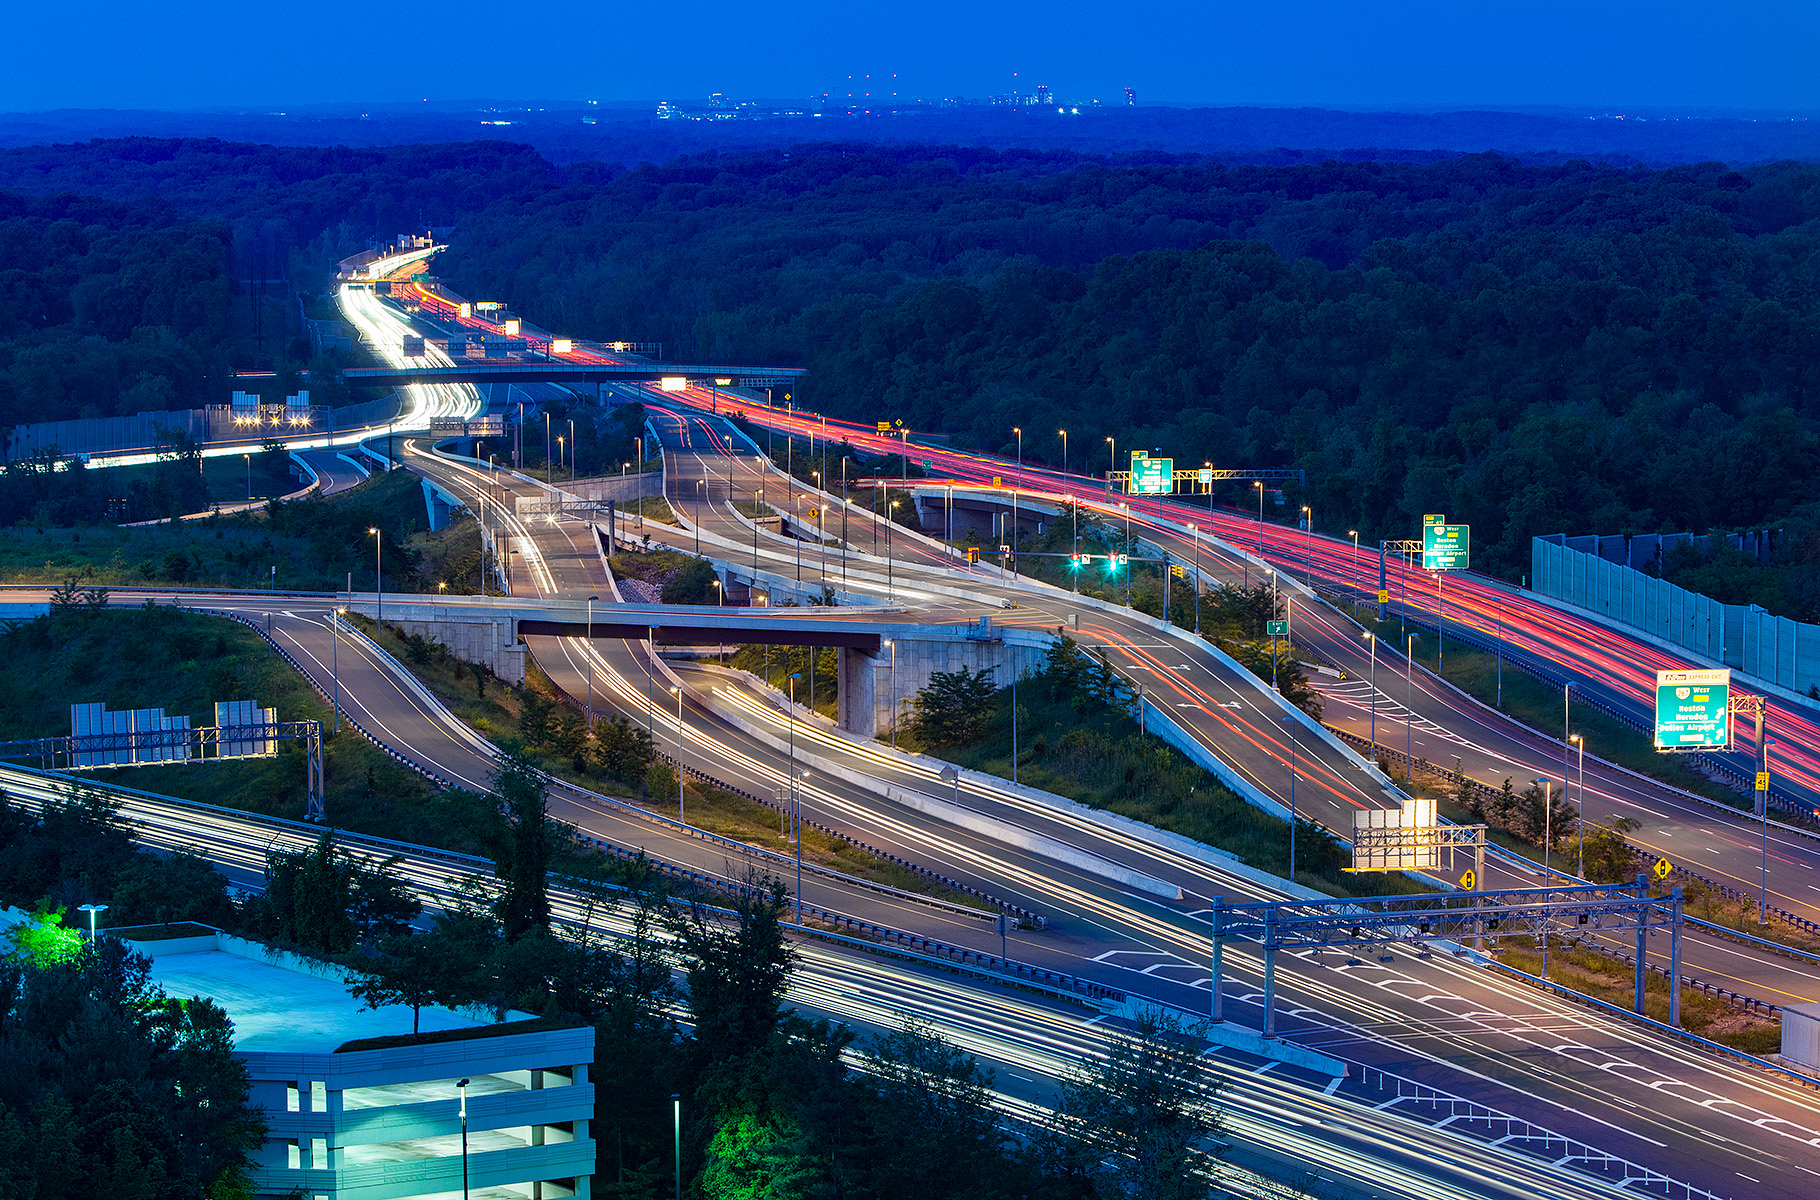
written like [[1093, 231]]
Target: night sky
[[1606, 55]]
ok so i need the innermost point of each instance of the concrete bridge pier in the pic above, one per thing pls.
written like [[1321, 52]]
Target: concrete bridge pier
[[473, 637], [877, 689]]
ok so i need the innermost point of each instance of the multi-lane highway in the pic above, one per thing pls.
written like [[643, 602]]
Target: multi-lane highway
[[1474, 1035]]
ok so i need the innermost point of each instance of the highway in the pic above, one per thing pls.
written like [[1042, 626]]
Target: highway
[[1473, 1034], [1169, 964], [1284, 1122]]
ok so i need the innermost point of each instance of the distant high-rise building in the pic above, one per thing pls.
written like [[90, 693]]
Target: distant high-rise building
[[1131, 96], [1043, 95]]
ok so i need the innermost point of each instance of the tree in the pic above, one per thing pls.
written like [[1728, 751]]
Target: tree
[[522, 840], [1609, 857], [410, 969], [693, 584], [114, 1089], [955, 706], [324, 899], [736, 976], [622, 748], [1132, 1125], [536, 718]]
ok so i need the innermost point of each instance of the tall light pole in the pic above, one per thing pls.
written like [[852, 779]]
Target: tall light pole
[[590, 657], [1357, 592], [1114, 456], [461, 1085], [547, 478], [561, 450], [1259, 485], [1064, 434], [892, 643], [1567, 692], [1014, 491], [679, 753], [378, 584], [1307, 541], [1290, 721], [572, 457], [699, 484], [1548, 821], [1763, 745], [676, 1101], [1372, 641], [335, 662], [1195, 533], [1580, 867], [890, 558], [91, 910], [249, 477], [1409, 711], [796, 811]]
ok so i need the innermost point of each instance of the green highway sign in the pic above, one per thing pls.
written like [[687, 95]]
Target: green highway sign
[[1446, 547], [1204, 475], [1276, 629], [1151, 476], [1434, 519], [1692, 710]]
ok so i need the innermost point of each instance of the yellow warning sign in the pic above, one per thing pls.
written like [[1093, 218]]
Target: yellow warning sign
[[1663, 867], [1763, 781], [1383, 596], [1468, 880]]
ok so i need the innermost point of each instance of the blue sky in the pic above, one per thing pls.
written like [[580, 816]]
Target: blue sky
[[1616, 55]]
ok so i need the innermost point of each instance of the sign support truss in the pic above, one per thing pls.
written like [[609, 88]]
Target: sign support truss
[[1318, 925], [177, 747]]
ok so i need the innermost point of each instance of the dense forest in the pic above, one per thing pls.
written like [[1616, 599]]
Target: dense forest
[[1528, 348], [107, 309]]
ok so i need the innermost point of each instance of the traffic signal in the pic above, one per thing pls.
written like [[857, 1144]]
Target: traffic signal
[[1074, 562]]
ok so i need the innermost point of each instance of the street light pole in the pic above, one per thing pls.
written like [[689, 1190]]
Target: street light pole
[[1548, 822], [378, 584], [676, 1100], [796, 811], [679, 754], [1372, 641], [461, 1085], [91, 910], [1357, 591], [1409, 711], [1064, 434], [1763, 745], [1290, 721], [590, 658], [1580, 863], [1014, 491]]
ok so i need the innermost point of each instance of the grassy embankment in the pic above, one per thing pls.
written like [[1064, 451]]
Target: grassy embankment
[[184, 663], [314, 545], [1614, 982]]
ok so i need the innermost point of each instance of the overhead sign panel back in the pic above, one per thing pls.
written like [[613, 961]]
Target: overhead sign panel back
[[1692, 710], [1446, 547]]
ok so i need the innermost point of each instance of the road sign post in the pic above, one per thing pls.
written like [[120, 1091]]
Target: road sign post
[[1692, 710]]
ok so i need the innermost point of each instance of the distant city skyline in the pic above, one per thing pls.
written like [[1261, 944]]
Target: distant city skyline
[[1746, 56]]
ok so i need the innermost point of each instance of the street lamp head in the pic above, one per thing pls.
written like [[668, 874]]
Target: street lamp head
[[91, 908], [1540, 779], [1366, 634], [1577, 739], [594, 598], [1352, 533]]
